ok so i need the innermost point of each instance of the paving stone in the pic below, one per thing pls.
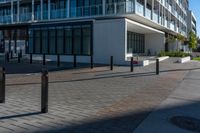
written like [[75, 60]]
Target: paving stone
[[88, 101]]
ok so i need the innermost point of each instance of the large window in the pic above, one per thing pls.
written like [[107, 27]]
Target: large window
[[135, 43], [77, 40], [31, 46], [64, 40], [86, 40], [60, 40], [52, 41], [37, 41], [45, 41], [68, 40]]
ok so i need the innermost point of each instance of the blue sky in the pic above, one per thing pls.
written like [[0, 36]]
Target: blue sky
[[195, 7]]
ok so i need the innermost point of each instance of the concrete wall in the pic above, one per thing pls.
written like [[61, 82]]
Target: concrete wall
[[109, 40], [155, 42]]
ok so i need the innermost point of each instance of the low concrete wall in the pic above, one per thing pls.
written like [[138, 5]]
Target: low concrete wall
[[185, 59]]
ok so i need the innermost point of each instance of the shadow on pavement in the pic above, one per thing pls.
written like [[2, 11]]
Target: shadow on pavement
[[20, 115]]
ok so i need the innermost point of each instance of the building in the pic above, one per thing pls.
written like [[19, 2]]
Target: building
[[192, 22], [91, 28]]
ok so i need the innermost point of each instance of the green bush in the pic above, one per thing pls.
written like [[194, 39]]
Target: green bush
[[173, 54]]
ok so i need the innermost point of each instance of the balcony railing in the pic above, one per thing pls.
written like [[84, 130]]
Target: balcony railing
[[139, 9], [148, 13], [25, 17], [155, 17]]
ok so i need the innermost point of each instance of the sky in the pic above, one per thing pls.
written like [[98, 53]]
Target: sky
[[195, 7]]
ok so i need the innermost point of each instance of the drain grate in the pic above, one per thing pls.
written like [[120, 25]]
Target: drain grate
[[187, 123]]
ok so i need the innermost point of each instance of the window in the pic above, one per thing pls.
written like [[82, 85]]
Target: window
[[60, 40], [77, 40], [37, 41], [86, 33], [68, 40], [52, 41], [135, 42], [44, 41], [30, 42]]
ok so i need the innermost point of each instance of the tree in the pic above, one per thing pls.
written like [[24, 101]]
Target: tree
[[198, 40], [181, 39], [192, 40]]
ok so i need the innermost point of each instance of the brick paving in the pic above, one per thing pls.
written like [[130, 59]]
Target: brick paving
[[88, 101]]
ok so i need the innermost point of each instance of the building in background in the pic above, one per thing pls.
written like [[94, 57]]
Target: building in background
[[91, 28], [192, 22]]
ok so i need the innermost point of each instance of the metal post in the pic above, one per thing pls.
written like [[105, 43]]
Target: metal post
[[157, 67], [31, 58], [58, 60], [2, 84], [111, 62], [44, 91], [44, 59], [75, 61], [91, 62], [131, 64], [19, 57]]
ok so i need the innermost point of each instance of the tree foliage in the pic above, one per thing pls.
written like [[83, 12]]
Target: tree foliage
[[198, 40], [192, 40], [180, 38]]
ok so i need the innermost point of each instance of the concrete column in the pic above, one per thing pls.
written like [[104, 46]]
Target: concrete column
[[18, 10], [152, 9], [33, 10], [68, 8], [11, 11], [49, 9], [104, 7], [145, 6], [41, 9]]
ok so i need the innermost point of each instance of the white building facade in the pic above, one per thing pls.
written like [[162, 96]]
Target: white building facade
[[91, 28]]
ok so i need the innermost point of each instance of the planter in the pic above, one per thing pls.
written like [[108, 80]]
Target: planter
[[185, 59], [163, 58]]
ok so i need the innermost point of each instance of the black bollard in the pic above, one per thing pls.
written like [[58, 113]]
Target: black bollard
[[157, 67], [44, 59], [44, 91], [111, 62], [31, 58], [19, 57], [75, 61], [131, 64], [2, 84], [91, 62], [58, 60]]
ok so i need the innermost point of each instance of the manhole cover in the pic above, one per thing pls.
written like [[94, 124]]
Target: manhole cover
[[187, 123]]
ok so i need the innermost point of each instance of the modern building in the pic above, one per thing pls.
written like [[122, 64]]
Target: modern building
[[192, 22], [97, 28]]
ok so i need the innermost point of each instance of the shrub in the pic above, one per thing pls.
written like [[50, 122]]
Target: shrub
[[173, 54]]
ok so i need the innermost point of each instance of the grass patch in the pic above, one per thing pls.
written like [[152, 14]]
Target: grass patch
[[173, 54], [196, 58]]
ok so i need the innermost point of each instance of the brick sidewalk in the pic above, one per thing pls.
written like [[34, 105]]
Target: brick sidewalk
[[87, 100]]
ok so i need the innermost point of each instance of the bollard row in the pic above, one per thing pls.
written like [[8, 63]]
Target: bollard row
[[2, 84]]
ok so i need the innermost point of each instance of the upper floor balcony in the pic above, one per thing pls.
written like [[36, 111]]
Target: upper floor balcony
[[27, 15]]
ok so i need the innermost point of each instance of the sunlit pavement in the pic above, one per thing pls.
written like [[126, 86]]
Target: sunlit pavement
[[85, 100]]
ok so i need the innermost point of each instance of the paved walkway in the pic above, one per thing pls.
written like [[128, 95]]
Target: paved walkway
[[88, 101], [183, 101]]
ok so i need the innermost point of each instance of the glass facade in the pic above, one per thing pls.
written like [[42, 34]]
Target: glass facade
[[72, 39], [135, 42]]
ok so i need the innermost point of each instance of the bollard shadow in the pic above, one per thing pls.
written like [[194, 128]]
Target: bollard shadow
[[20, 115]]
